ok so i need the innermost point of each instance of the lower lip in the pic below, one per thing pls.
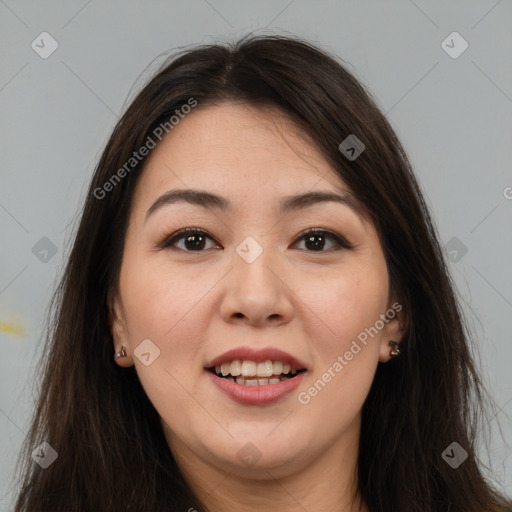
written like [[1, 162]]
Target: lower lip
[[256, 395]]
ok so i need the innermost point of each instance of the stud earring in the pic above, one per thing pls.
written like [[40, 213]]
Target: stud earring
[[396, 351], [121, 353]]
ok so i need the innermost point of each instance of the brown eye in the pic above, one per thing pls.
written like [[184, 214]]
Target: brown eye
[[194, 240], [316, 239]]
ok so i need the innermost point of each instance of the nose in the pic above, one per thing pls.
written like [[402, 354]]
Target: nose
[[257, 293]]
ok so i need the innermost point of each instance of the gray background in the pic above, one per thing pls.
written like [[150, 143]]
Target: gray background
[[453, 116]]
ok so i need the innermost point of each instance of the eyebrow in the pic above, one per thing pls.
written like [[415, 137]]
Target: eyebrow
[[287, 204]]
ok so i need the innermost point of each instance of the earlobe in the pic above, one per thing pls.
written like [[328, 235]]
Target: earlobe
[[395, 348], [118, 332], [393, 333], [389, 350], [122, 358]]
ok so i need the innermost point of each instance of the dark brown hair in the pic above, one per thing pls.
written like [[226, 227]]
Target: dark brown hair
[[112, 454]]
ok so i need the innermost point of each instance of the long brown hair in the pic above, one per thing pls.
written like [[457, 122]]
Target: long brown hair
[[112, 454]]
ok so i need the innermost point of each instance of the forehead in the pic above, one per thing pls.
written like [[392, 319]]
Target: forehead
[[248, 153]]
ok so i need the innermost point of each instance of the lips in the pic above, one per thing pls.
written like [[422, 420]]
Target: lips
[[260, 394], [256, 377]]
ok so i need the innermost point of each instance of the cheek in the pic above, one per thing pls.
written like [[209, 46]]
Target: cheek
[[158, 302], [345, 306], [166, 309], [345, 361]]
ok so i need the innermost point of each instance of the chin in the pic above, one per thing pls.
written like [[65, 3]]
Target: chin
[[258, 454]]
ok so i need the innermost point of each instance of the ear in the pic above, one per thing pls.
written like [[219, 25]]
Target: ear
[[118, 330], [395, 327]]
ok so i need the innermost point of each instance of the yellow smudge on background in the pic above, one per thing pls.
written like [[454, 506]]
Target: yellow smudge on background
[[12, 326]]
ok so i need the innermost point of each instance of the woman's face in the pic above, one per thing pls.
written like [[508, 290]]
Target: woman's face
[[251, 287]]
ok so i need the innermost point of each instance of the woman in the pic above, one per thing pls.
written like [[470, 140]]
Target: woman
[[256, 313]]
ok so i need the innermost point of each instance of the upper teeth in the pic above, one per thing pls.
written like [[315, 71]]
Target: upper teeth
[[252, 368]]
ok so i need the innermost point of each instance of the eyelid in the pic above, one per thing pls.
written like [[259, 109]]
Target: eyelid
[[341, 242]]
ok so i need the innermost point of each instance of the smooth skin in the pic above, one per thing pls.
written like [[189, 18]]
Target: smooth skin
[[196, 300]]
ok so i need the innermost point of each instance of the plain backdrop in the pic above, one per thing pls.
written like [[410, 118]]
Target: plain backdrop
[[451, 110]]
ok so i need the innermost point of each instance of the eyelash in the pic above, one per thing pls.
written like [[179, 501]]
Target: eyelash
[[167, 243]]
